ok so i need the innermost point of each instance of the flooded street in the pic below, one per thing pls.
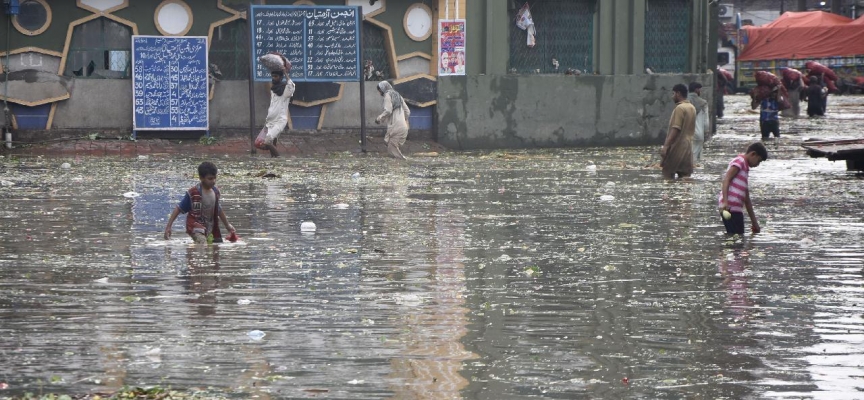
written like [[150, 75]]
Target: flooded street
[[576, 273]]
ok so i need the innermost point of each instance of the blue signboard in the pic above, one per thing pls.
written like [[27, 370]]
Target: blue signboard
[[169, 83], [322, 42]]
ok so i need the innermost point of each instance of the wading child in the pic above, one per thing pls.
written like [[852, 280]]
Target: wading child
[[735, 192], [201, 202], [769, 113]]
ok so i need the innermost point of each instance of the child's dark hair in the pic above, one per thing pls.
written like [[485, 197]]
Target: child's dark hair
[[208, 168], [760, 149]]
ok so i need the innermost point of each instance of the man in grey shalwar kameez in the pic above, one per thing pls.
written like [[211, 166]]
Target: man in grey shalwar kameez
[[396, 115], [702, 123]]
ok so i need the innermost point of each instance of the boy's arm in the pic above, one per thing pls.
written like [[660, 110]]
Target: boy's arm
[[224, 219], [724, 191], [754, 225], [171, 219]]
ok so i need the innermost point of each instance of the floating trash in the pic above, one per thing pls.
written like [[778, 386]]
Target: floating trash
[[408, 299], [356, 382], [607, 197], [356, 175], [131, 195], [65, 165], [340, 206], [143, 157], [308, 226], [610, 183], [101, 280], [256, 335], [244, 302], [154, 351]]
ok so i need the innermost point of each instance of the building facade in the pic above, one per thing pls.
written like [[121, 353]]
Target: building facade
[[600, 72]]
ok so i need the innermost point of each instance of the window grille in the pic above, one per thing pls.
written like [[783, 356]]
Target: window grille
[[667, 31], [100, 49], [565, 32], [229, 50], [375, 50]]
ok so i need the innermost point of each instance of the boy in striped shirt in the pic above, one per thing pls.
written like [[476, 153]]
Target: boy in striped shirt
[[735, 192]]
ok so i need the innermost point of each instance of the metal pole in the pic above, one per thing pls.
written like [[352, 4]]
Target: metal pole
[[7, 115], [362, 86], [251, 80]]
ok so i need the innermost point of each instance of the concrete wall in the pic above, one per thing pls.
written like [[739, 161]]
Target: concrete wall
[[506, 111], [107, 104], [345, 113], [96, 104]]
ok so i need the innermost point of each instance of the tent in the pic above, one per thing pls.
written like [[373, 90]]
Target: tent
[[804, 35], [808, 18]]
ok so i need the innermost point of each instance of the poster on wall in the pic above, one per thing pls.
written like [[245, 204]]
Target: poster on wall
[[451, 45]]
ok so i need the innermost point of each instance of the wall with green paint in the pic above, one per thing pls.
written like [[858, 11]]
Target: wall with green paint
[[63, 12], [394, 16], [511, 111], [619, 104], [203, 14]]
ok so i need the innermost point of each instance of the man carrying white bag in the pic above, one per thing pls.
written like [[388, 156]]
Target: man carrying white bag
[[281, 90]]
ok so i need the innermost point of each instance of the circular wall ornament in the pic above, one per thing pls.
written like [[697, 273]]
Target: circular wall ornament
[[34, 17], [418, 22], [173, 18]]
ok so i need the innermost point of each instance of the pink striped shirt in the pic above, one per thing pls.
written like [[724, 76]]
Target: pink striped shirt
[[738, 187]]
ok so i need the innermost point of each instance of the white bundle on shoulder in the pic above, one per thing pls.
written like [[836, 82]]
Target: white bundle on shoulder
[[275, 62]]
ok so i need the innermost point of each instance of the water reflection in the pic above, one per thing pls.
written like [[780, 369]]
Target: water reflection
[[495, 275], [200, 277], [430, 366], [734, 268]]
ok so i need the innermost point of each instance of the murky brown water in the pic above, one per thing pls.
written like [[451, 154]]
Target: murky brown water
[[476, 276]]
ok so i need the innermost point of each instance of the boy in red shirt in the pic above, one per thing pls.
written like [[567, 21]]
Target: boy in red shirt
[[202, 203], [735, 192]]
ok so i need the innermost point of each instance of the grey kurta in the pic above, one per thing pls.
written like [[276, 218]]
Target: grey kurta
[[397, 124]]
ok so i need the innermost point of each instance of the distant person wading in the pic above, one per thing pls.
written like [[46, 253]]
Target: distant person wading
[[395, 115], [677, 151]]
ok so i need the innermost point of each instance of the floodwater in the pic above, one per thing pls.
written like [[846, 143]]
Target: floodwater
[[564, 274]]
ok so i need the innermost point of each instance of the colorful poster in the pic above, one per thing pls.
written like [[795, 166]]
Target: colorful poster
[[451, 47]]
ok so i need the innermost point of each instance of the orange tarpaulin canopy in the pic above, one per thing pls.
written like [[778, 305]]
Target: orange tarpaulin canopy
[[807, 18], [803, 35]]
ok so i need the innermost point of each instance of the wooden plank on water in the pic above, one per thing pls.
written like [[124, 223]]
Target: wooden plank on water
[[836, 149]]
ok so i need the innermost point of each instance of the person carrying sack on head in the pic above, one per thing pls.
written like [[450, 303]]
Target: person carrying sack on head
[[281, 90]]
